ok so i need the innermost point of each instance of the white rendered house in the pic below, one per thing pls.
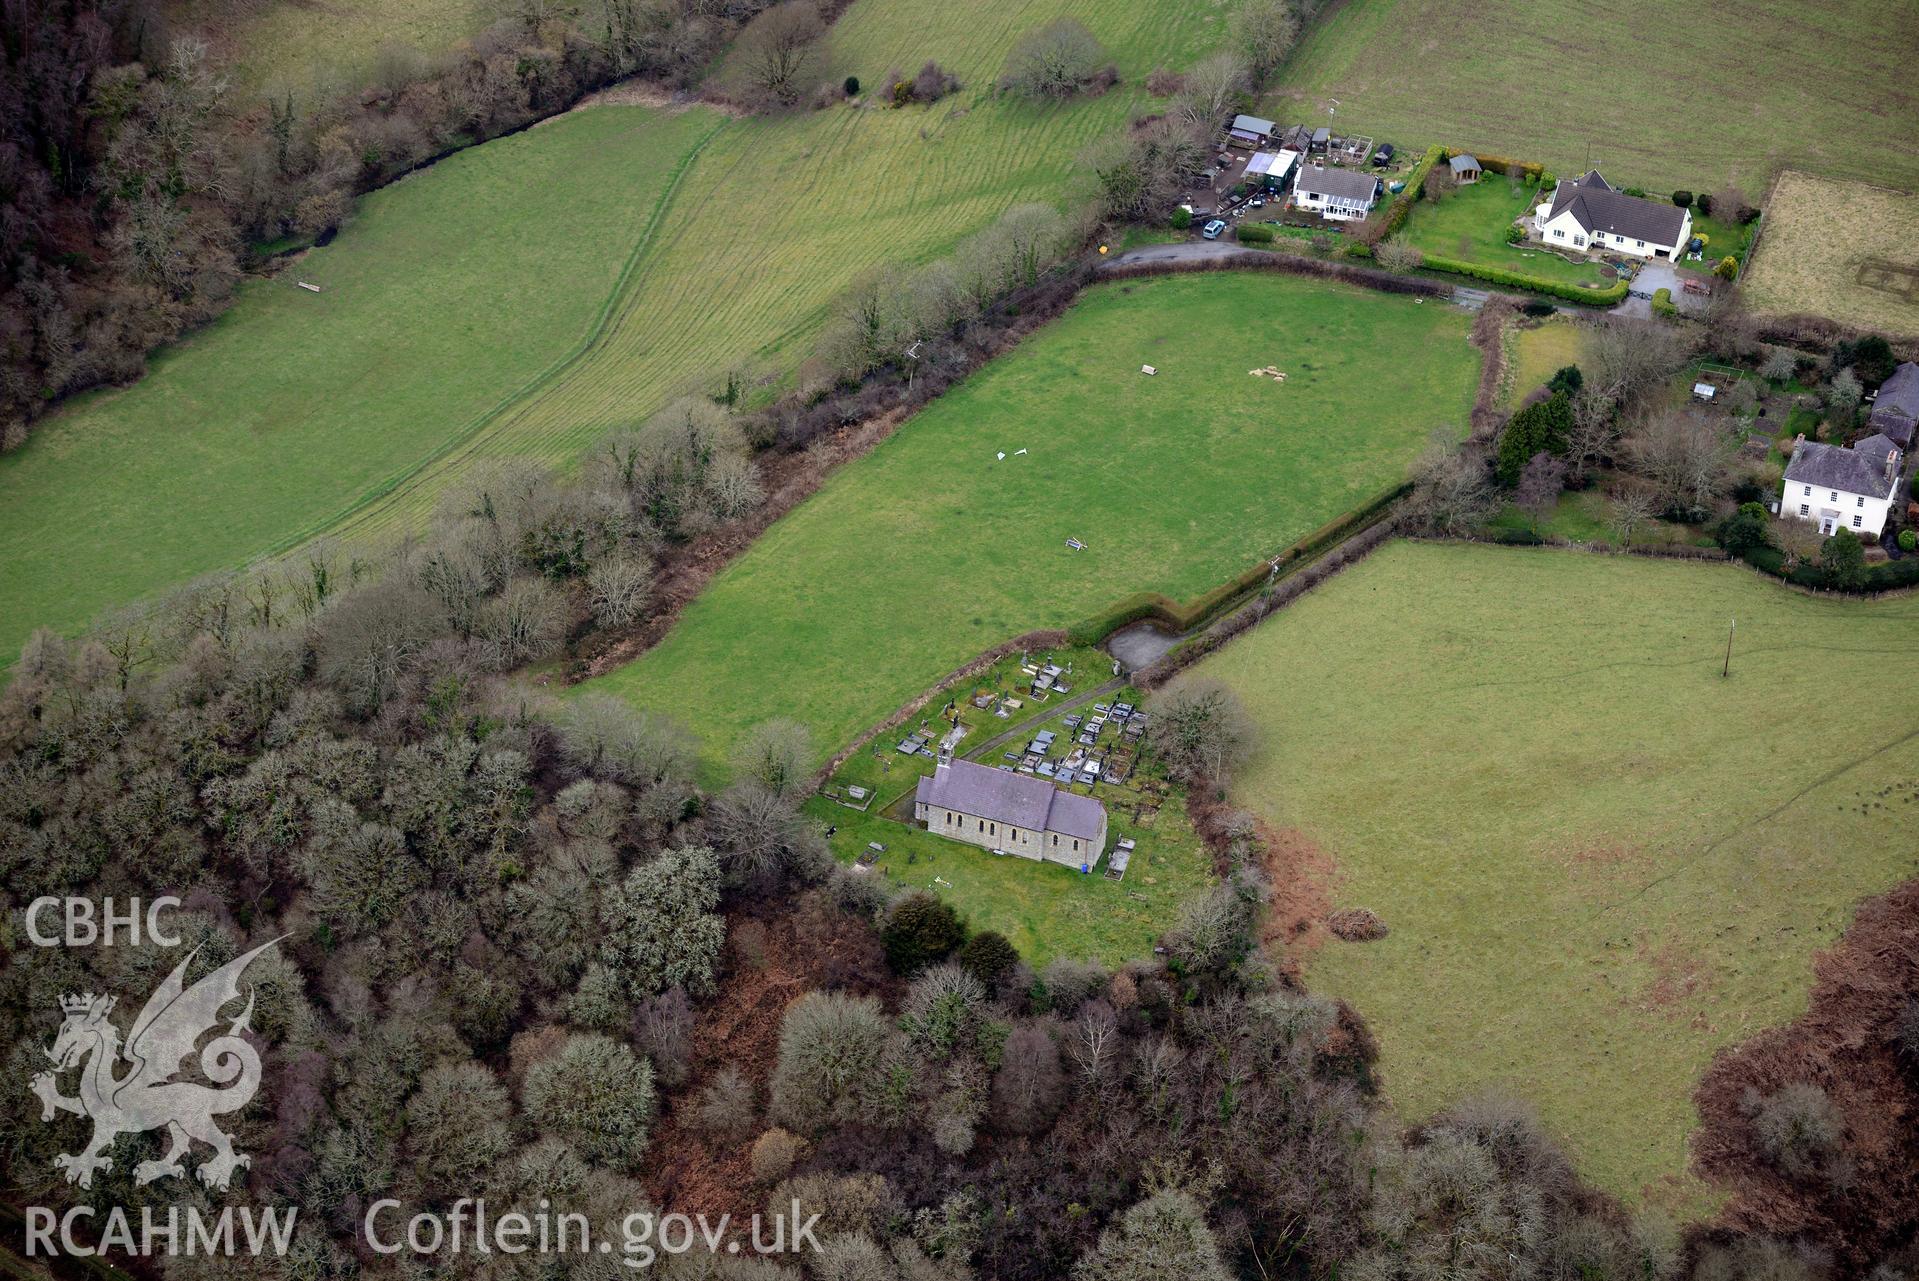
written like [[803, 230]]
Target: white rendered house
[[1339, 194], [1843, 487], [1591, 215]]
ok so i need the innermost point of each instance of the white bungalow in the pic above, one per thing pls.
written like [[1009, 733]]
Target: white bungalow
[[1591, 215]]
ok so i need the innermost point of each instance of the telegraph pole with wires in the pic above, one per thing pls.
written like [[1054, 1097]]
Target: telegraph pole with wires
[[1727, 669]]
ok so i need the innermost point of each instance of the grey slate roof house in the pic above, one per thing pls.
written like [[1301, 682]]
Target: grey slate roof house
[[1850, 487], [1591, 214], [1340, 194], [1001, 810], [1895, 411]]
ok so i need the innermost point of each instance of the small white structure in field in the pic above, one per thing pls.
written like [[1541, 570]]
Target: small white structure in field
[[1704, 391], [1147, 369], [312, 289]]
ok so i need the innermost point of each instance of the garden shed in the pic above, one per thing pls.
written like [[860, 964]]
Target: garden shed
[[1465, 168]]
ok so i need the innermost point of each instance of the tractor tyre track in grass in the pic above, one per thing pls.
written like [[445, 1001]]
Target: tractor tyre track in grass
[[612, 313]]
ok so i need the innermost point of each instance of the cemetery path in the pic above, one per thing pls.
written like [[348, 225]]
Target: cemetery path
[[1026, 731]]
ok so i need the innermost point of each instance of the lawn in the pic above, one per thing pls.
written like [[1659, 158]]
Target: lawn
[[1600, 860], [295, 406], [1536, 353], [1831, 249], [1044, 909], [1585, 516], [1469, 223], [522, 298], [931, 549], [1656, 93]]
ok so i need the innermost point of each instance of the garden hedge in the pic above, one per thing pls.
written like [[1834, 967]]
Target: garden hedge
[[1607, 297], [1528, 169], [1415, 184], [1879, 578], [1253, 234], [1181, 618], [1662, 303]]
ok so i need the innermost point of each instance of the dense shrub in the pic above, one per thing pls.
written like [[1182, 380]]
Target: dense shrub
[[1253, 233], [1182, 219], [920, 929], [1662, 303], [1682, 198], [1908, 540]]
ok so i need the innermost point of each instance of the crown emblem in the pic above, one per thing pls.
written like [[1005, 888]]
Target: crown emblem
[[86, 1003]]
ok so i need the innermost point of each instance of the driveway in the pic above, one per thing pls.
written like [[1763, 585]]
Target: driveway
[[1654, 275]]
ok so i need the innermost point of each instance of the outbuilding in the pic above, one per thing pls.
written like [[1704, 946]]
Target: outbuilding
[[1465, 169], [1272, 168], [1251, 131]]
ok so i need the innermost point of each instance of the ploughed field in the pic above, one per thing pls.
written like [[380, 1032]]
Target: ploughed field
[[1600, 860], [932, 548]]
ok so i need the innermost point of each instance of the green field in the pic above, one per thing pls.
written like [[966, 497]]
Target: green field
[[452, 297], [294, 406], [1469, 223], [1657, 93], [930, 550], [1599, 860], [1536, 352], [296, 45]]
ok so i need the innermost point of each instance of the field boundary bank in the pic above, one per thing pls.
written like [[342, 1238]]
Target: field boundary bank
[[1044, 638], [1373, 518], [343, 521]]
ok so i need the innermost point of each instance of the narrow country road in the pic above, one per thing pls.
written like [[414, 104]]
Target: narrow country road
[[1180, 251]]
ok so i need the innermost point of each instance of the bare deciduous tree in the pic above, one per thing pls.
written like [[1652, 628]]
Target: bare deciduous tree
[[1452, 493], [1214, 88], [1540, 483], [1688, 461], [618, 588], [1200, 729], [1626, 359], [1056, 61], [1593, 433], [1631, 508], [1397, 255], [779, 51], [1264, 30]]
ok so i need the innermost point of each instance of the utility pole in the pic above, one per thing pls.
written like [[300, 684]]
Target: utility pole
[[1727, 669]]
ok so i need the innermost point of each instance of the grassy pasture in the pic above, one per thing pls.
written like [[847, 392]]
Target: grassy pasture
[[1599, 860], [1536, 354], [930, 549], [298, 45], [1656, 93], [436, 303], [522, 298], [1820, 236]]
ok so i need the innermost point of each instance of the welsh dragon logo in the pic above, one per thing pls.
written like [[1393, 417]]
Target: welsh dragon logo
[[146, 1097]]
